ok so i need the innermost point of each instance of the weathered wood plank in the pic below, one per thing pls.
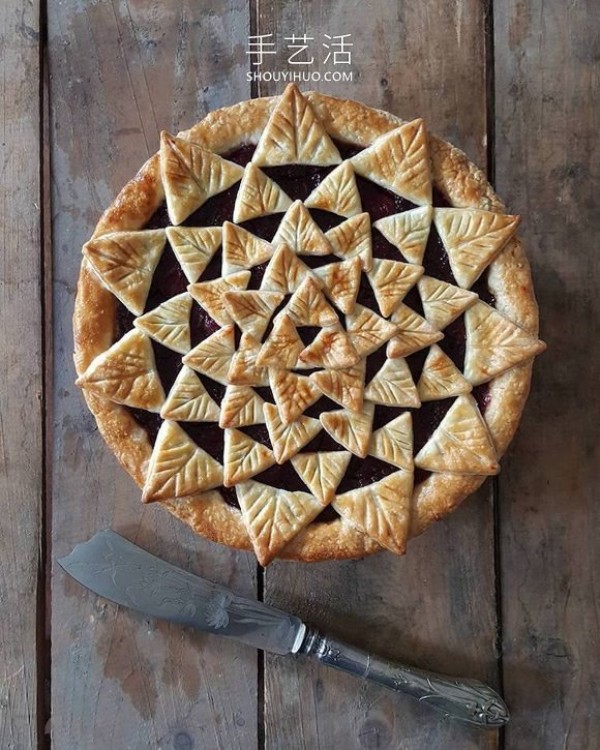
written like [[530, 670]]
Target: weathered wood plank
[[435, 607], [121, 72], [21, 373], [408, 58], [548, 167], [431, 608]]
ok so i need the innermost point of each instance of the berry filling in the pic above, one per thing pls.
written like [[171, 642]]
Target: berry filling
[[169, 280]]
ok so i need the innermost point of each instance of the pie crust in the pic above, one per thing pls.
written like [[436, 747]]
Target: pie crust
[[257, 340]]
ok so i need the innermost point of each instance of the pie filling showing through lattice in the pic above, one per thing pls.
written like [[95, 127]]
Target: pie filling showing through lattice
[[305, 328]]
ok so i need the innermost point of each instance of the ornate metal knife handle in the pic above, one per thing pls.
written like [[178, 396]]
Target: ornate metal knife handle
[[469, 701]]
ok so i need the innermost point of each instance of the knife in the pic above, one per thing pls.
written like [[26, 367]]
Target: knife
[[119, 570]]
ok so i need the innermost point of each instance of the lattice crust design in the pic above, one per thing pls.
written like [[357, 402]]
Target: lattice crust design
[[258, 342]]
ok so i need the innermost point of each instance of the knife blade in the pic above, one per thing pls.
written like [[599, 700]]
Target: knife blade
[[119, 570], [116, 569]]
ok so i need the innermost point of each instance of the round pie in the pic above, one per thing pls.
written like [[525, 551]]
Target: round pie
[[306, 327]]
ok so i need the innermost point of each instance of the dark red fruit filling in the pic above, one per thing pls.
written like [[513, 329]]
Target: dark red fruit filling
[[298, 182]]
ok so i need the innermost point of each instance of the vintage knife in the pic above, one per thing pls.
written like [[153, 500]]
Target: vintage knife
[[118, 570]]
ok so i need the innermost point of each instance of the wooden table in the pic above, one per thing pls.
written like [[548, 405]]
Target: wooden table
[[506, 589]]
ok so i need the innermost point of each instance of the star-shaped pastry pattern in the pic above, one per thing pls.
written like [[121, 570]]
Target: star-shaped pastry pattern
[[289, 319]]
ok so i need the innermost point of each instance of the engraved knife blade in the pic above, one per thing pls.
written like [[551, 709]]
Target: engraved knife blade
[[119, 570]]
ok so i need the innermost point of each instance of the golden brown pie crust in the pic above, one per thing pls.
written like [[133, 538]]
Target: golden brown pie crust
[[462, 184]]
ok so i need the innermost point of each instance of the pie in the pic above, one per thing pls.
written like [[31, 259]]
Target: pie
[[306, 327]]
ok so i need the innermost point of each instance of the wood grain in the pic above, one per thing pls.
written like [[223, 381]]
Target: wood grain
[[21, 375], [548, 167], [408, 58], [436, 606], [119, 73]]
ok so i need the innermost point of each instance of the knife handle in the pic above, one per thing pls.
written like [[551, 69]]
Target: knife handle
[[469, 701]]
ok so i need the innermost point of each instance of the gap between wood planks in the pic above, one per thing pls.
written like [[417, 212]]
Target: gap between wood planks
[[44, 600], [253, 8], [490, 126]]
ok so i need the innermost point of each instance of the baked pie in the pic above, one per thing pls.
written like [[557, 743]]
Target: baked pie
[[306, 327]]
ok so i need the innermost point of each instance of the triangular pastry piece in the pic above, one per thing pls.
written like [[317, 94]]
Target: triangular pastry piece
[[393, 385], [408, 231], [210, 295], [413, 333], [381, 510], [251, 310], [258, 195], [443, 302], [191, 175], [341, 282], [345, 387], [293, 393], [178, 467], [399, 161], [300, 232], [350, 429], [337, 193], [242, 249], [169, 323], [440, 377], [461, 443], [308, 306], [241, 406], [322, 472], [243, 457], [352, 238], [126, 373], [243, 369], [125, 263], [495, 344], [294, 135], [212, 357], [288, 439], [393, 442], [391, 280], [282, 346], [194, 248], [472, 238], [331, 348], [367, 330], [273, 516], [285, 272], [189, 401]]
